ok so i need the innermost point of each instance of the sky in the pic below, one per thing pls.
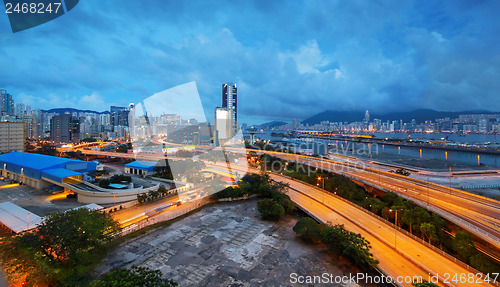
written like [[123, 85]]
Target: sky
[[289, 59]]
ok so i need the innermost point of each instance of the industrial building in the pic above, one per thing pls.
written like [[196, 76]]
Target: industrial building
[[41, 171], [140, 167]]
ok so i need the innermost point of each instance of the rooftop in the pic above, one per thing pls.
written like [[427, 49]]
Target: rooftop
[[140, 164], [34, 160], [16, 218]]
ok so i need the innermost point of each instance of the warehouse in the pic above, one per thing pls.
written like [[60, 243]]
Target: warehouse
[[41, 171], [140, 167]]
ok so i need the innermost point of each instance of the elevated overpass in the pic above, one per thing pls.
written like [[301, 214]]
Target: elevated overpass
[[400, 254], [477, 214]]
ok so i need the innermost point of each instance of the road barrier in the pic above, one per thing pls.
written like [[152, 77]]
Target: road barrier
[[462, 264]]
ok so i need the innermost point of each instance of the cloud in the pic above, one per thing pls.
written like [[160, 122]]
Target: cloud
[[289, 60]]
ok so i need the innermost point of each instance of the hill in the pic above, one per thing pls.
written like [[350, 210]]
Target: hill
[[419, 115], [72, 110]]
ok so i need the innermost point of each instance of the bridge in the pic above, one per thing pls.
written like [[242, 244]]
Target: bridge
[[400, 254], [477, 214]]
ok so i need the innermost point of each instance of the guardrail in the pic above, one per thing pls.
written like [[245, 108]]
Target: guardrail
[[432, 247], [459, 221], [166, 216]]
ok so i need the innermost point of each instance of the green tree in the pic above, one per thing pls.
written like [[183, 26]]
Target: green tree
[[463, 245], [348, 243], [421, 216], [136, 276], [440, 225], [75, 236], [308, 229], [104, 183], [409, 218], [424, 283], [269, 209], [285, 201], [389, 198], [481, 263], [429, 230], [375, 205], [162, 190]]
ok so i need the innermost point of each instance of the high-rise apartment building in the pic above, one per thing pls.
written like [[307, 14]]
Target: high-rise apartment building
[[64, 129], [119, 116], [6, 103], [12, 136], [230, 102]]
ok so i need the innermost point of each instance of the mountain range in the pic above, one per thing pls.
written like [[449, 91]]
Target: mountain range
[[420, 115], [71, 110]]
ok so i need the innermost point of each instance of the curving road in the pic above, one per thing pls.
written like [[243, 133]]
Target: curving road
[[399, 254]]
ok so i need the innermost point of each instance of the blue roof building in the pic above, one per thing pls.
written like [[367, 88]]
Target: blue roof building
[[140, 167], [39, 171]]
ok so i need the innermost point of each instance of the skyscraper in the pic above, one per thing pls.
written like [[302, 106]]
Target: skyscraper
[[229, 101], [119, 116], [6, 103], [367, 116], [64, 128], [226, 125]]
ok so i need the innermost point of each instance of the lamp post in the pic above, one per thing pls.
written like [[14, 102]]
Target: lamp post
[[451, 175], [323, 192], [427, 193], [396, 227], [322, 179]]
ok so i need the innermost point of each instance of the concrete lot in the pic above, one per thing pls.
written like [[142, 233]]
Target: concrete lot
[[36, 201], [226, 245]]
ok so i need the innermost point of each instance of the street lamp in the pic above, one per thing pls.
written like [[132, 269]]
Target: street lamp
[[322, 178], [323, 192], [395, 228]]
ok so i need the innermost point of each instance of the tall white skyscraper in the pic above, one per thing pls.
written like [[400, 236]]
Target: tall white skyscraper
[[226, 124], [229, 101]]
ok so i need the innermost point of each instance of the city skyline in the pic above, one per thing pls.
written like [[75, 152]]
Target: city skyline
[[376, 56]]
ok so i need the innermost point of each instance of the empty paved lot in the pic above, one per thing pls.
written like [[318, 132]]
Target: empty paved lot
[[36, 201], [225, 245]]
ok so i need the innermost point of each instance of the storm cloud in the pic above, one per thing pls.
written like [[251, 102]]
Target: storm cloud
[[290, 59]]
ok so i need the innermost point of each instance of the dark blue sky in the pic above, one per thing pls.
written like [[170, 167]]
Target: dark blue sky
[[289, 58]]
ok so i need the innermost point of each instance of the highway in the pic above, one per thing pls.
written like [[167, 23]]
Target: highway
[[477, 214], [474, 213], [399, 254]]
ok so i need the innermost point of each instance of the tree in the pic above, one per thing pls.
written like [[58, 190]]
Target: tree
[[104, 183], [429, 230], [481, 263], [440, 225], [409, 218], [463, 245], [137, 276], [153, 194], [285, 201], [421, 216], [386, 214], [424, 283], [75, 237], [375, 205], [348, 243], [308, 229], [162, 190], [269, 209]]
